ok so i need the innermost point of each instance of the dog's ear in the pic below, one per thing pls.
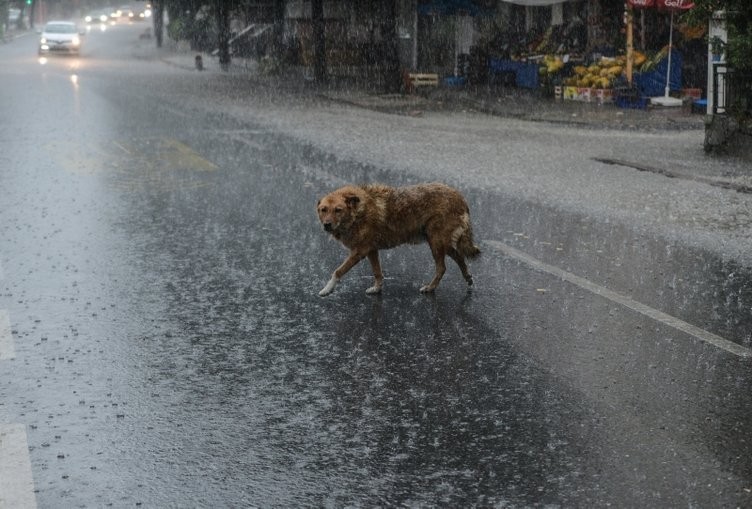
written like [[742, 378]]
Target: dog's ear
[[352, 200]]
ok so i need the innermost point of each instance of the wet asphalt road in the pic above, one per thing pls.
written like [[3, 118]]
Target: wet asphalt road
[[159, 275]]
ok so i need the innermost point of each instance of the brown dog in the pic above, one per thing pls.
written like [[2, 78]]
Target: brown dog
[[373, 217]]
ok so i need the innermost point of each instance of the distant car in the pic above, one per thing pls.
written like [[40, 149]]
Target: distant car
[[100, 16], [60, 36], [141, 11], [124, 13]]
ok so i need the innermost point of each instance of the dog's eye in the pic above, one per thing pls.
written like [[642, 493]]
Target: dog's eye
[[337, 209], [323, 210]]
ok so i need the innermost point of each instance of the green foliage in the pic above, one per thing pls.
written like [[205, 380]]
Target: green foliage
[[739, 20], [198, 28], [176, 29]]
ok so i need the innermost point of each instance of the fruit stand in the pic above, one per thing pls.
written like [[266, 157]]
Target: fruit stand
[[604, 80]]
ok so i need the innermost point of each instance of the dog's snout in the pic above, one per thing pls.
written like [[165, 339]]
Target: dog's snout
[[328, 226]]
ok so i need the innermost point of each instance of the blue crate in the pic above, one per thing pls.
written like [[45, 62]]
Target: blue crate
[[631, 103], [454, 81]]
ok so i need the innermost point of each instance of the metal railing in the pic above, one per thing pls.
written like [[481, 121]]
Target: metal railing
[[732, 91]]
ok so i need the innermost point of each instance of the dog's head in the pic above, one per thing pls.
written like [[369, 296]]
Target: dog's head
[[337, 210]]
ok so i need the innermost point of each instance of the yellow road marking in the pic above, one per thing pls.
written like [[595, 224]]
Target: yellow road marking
[[181, 156]]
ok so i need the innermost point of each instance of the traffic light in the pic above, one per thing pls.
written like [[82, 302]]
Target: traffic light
[[28, 2]]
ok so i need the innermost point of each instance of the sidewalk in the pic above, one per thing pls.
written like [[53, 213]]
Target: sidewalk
[[501, 101]]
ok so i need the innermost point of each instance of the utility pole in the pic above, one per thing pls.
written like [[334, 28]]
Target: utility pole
[[31, 4]]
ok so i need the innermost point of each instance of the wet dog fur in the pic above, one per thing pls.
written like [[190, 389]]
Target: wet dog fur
[[372, 217]]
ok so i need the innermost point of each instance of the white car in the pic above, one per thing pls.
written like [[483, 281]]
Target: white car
[[60, 36]]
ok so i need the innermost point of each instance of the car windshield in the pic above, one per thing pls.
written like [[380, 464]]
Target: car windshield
[[60, 28]]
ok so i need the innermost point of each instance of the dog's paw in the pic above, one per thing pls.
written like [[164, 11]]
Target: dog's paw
[[427, 289], [374, 290], [329, 288]]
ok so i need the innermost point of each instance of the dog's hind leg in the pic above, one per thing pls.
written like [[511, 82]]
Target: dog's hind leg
[[462, 265], [378, 276], [438, 253]]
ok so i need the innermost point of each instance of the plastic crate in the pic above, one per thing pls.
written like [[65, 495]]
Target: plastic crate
[[631, 102], [454, 81]]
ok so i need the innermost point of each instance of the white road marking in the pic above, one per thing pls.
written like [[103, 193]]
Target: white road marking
[[654, 314], [7, 348], [16, 482]]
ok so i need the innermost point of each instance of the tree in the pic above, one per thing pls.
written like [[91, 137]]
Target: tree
[[222, 13], [739, 21], [319, 41], [391, 63], [158, 19]]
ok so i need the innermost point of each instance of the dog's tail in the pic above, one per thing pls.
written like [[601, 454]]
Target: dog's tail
[[465, 245]]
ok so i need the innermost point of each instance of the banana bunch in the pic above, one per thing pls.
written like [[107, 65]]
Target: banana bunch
[[550, 65], [596, 75]]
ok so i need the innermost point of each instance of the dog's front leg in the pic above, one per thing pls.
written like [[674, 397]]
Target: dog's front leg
[[378, 276], [348, 264]]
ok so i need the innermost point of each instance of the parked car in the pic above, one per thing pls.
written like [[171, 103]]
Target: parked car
[[60, 36]]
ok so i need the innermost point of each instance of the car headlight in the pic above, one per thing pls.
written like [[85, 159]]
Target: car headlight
[[87, 19], [43, 40], [76, 41], [103, 18]]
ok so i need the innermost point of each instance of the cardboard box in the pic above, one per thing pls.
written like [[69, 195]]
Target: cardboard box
[[582, 94], [604, 95], [585, 94]]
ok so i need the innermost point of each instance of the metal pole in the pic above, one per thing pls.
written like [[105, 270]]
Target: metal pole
[[670, 47], [630, 42]]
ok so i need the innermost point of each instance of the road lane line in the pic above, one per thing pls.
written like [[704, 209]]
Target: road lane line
[[181, 156], [659, 316], [16, 482], [7, 348]]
